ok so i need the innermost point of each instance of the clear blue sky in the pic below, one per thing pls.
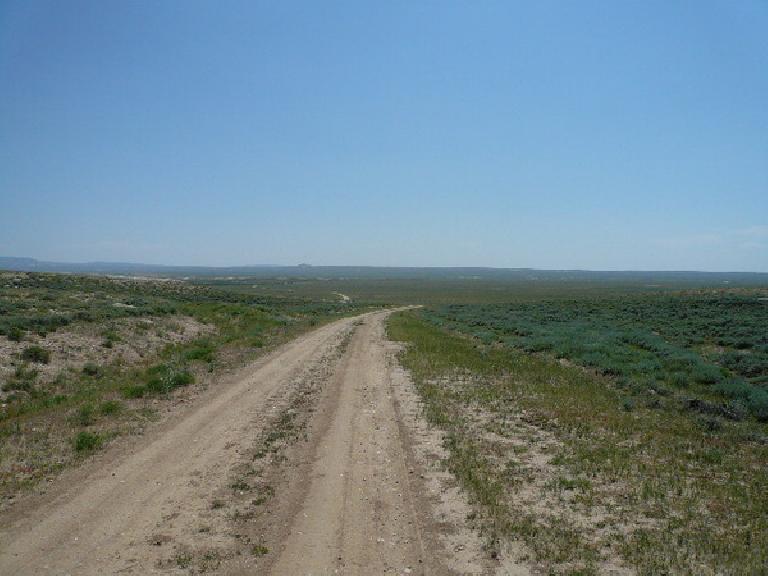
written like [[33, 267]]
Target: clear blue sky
[[602, 135]]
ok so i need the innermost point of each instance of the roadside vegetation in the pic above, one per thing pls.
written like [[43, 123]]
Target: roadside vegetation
[[84, 359], [602, 434], [704, 351]]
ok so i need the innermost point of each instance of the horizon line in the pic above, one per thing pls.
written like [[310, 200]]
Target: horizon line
[[374, 266]]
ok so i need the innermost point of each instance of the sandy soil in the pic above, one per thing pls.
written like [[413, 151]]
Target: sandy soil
[[351, 488]]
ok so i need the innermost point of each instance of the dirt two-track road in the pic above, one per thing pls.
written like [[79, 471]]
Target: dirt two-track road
[[313, 460]]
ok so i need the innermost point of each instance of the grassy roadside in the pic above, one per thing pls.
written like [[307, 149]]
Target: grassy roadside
[[554, 458], [55, 410]]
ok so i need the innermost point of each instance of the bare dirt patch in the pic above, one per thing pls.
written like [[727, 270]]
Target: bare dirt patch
[[576, 515]]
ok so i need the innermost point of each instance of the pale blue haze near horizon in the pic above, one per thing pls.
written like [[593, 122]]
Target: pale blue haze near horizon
[[596, 135]]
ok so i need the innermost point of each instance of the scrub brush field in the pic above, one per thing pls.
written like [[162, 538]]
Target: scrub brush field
[[606, 435]]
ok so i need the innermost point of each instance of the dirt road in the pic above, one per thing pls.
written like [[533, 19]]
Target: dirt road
[[313, 460]]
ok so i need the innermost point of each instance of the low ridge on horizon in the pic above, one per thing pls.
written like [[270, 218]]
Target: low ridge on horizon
[[31, 264]]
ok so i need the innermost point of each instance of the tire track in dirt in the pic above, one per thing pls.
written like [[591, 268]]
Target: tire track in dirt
[[108, 521], [349, 490], [366, 493], [358, 512]]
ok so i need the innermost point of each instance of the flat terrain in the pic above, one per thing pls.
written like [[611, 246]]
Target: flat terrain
[[605, 436], [305, 462], [289, 426]]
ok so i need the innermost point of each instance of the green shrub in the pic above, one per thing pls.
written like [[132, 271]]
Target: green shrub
[[133, 391], [15, 334], [712, 456], [203, 351], [84, 416], [755, 399], [707, 374], [87, 441], [183, 378], [24, 372], [750, 365], [163, 378], [23, 379], [91, 369], [734, 388], [15, 385], [758, 404], [36, 354], [679, 379], [159, 379], [259, 550], [109, 407]]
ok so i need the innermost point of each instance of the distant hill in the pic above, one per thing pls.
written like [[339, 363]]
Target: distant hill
[[120, 268], [374, 272]]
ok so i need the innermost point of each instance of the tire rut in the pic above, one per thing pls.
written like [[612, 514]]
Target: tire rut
[[308, 463]]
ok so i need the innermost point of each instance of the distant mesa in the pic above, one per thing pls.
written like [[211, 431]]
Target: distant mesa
[[304, 265]]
